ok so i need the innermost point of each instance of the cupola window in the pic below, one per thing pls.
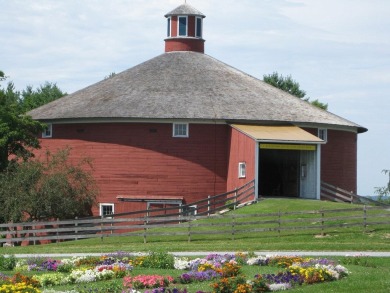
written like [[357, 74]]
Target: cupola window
[[169, 27], [198, 27], [182, 25]]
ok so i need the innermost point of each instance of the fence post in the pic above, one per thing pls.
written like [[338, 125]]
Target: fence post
[[189, 229], [364, 219], [235, 198], [208, 205], [101, 228], [233, 224], [322, 222], [34, 234], [57, 234], [279, 222], [145, 229], [75, 228]]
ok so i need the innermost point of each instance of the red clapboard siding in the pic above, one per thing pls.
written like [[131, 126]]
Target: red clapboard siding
[[144, 159], [339, 159], [242, 149]]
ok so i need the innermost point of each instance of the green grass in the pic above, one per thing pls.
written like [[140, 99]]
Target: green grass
[[374, 238]]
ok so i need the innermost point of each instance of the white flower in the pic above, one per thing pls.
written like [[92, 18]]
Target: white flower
[[181, 263], [256, 260], [279, 287]]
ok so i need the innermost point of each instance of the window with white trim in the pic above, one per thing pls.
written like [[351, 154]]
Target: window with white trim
[[180, 130], [198, 27], [169, 27], [190, 210], [241, 170], [48, 131], [106, 209], [182, 27], [323, 134]]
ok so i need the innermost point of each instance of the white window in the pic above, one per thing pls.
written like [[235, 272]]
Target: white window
[[323, 134], [182, 26], [241, 170], [169, 27], [48, 131], [180, 130], [106, 209], [190, 210], [198, 27]]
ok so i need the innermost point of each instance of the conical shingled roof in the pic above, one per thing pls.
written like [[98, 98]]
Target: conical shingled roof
[[186, 85], [185, 9]]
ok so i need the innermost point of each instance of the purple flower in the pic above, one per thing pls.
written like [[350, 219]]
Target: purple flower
[[3, 277], [281, 278], [198, 276]]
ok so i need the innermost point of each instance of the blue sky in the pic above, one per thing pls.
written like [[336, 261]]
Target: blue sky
[[338, 50]]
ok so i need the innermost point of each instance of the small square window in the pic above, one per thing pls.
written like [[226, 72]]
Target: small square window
[[48, 131], [180, 130], [190, 210], [106, 209], [323, 134], [241, 170]]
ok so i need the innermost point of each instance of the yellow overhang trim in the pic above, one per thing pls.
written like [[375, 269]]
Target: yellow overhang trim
[[278, 134], [286, 146]]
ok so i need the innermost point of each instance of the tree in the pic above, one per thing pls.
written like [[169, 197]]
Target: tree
[[112, 74], [384, 191], [18, 132], [47, 189], [292, 87], [31, 99]]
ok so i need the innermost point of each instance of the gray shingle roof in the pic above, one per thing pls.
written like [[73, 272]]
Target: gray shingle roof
[[185, 9], [186, 85]]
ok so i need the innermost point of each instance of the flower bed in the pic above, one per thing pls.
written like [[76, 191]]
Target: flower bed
[[224, 272]]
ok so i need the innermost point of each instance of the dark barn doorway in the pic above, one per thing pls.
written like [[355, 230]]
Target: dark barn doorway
[[279, 172]]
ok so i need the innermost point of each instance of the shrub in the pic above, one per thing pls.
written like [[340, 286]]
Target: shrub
[[158, 260], [7, 263]]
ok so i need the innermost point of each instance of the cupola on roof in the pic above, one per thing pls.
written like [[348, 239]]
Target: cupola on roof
[[187, 85], [184, 29], [185, 9]]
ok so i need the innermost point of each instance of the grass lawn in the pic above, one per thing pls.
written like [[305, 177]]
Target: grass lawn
[[373, 238], [370, 276]]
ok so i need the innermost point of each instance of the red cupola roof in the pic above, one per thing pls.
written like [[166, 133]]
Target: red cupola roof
[[185, 30]]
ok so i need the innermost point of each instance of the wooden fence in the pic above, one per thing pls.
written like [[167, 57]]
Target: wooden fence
[[334, 193], [210, 205], [188, 228]]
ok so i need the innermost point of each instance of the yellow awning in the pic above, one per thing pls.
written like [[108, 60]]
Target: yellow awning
[[281, 134]]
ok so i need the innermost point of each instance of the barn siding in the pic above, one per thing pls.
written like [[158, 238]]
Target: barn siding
[[339, 159], [144, 159], [242, 149]]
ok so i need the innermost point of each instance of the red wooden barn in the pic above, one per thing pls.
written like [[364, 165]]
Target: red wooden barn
[[184, 125]]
